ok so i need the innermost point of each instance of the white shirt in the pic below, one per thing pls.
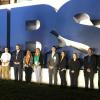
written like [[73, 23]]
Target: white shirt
[[5, 59], [53, 54], [54, 57]]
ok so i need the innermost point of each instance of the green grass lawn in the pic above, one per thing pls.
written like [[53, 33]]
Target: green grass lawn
[[11, 90]]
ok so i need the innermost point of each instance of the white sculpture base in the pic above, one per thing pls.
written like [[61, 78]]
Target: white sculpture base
[[45, 77]]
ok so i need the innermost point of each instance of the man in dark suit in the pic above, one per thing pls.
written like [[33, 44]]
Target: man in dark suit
[[90, 68], [53, 61], [17, 59]]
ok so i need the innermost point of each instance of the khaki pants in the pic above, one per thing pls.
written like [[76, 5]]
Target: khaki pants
[[5, 72], [0, 72]]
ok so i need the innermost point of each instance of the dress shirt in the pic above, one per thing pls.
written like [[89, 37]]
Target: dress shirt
[[5, 59]]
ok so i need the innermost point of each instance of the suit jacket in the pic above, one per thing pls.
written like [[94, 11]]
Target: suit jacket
[[93, 65], [51, 61], [20, 57], [74, 65], [63, 64]]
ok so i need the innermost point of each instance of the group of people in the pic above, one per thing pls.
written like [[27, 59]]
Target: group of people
[[30, 62], [90, 64], [61, 63]]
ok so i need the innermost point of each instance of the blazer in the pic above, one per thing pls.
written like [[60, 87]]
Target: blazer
[[51, 61], [40, 60], [93, 65], [19, 57], [63, 64], [74, 65]]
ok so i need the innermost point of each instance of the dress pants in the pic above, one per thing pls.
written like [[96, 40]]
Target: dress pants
[[53, 75], [89, 76], [74, 78], [37, 70], [99, 79], [18, 72], [28, 74], [5, 72], [63, 77], [0, 72]]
